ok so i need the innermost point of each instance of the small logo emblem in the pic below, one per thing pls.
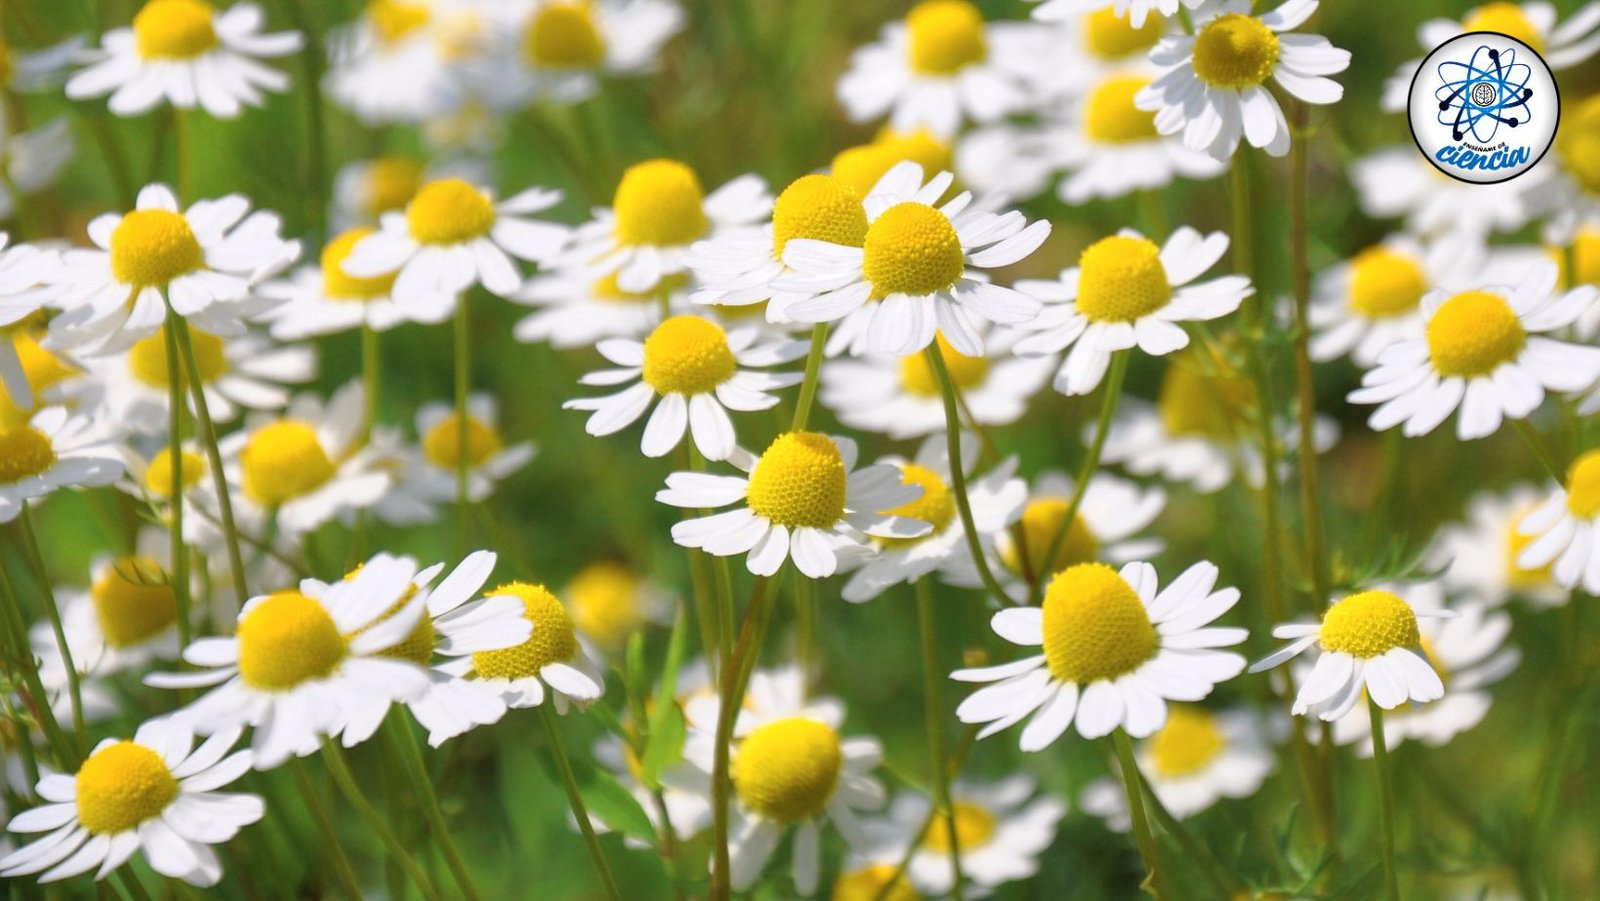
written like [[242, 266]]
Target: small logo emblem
[[1484, 107]]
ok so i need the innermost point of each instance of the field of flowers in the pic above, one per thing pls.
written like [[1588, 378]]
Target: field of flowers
[[634, 449]]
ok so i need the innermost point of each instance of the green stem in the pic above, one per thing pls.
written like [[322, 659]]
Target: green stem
[[410, 755], [808, 386], [334, 758], [208, 434], [371, 380], [1300, 278], [30, 536], [933, 713], [1221, 881], [575, 798], [311, 56], [952, 767], [735, 679], [17, 635], [805, 624], [958, 476], [1380, 755], [324, 821], [1531, 438], [180, 547], [463, 327], [1146, 839]]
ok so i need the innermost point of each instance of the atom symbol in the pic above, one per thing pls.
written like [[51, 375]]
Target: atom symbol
[[1477, 97]]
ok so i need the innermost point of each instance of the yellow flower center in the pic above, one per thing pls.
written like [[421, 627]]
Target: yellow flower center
[[606, 289], [799, 482], [936, 507], [1507, 19], [24, 451], [918, 378], [1583, 485], [42, 369], [133, 601], [1586, 253], [173, 29], [288, 639], [1473, 333], [1109, 114], [394, 19], [158, 475], [391, 182], [1041, 519], [873, 883], [121, 786], [1369, 624], [787, 770], [284, 460], [1110, 36], [945, 36], [1188, 743], [687, 355], [564, 36], [147, 359], [449, 211], [974, 826], [442, 444], [552, 641], [819, 207], [912, 249], [1095, 626], [1578, 142], [1195, 403], [340, 285], [660, 203], [152, 247], [1517, 577], [418, 644], [1235, 51], [605, 603], [1121, 279], [1385, 283], [861, 167]]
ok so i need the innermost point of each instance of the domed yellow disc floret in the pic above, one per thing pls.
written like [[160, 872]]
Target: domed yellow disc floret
[[1041, 520], [606, 289], [158, 474], [284, 460], [1121, 278], [1110, 36], [787, 770], [1583, 485], [1205, 397], [552, 641], [133, 601], [1473, 333], [912, 249], [288, 639], [338, 284], [147, 359], [860, 167], [605, 602], [1369, 624], [174, 29], [1095, 626], [122, 785], [390, 183], [1188, 743], [442, 444], [660, 203], [1385, 283], [24, 451], [1578, 142], [1235, 51], [449, 211], [152, 247], [564, 36], [874, 882], [918, 378], [1586, 254], [936, 507], [819, 207], [799, 482], [687, 355], [1507, 19], [1109, 114], [945, 36], [974, 826], [392, 20]]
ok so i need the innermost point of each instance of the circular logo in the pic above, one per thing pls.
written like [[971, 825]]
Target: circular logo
[[1484, 107]]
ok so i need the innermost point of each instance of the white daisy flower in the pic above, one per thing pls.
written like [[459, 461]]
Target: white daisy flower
[[50, 375], [37, 70], [1560, 532], [53, 450], [873, 872], [366, 189], [657, 213], [1106, 528], [917, 267], [1398, 182], [996, 501], [187, 54], [1567, 191], [413, 489], [1195, 760], [489, 460], [577, 307], [791, 769], [201, 262], [609, 602], [802, 497], [126, 618], [699, 371], [1001, 829], [325, 300], [1127, 292], [1362, 305], [1482, 351], [553, 659], [155, 794], [1113, 147], [33, 160], [1479, 558], [558, 50], [1115, 651], [24, 269], [402, 60], [1214, 90], [454, 235], [1369, 639], [1136, 11], [943, 64], [298, 667]]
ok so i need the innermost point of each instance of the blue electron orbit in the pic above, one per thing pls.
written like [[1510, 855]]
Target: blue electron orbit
[[1477, 97]]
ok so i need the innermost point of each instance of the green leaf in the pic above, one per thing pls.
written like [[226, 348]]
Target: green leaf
[[666, 740], [615, 805]]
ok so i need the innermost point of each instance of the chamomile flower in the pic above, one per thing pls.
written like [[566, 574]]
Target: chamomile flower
[[126, 618], [489, 460], [201, 262], [791, 770], [1115, 651], [298, 667], [1214, 90], [1106, 528], [1136, 11], [560, 49], [1198, 758], [873, 873], [1113, 148], [1398, 182], [1361, 306], [803, 497], [454, 235], [609, 602], [900, 396], [52, 376], [323, 299], [52, 450], [552, 660], [23, 272], [33, 71], [1568, 193], [996, 502], [658, 212], [1370, 639], [943, 64], [578, 307], [154, 794], [699, 371], [1128, 292], [1480, 558], [402, 60], [860, 167], [1482, 351], [1001, 829], [918, 267], [32, 161], [1560, 532], [187, 54], [366, 189]]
